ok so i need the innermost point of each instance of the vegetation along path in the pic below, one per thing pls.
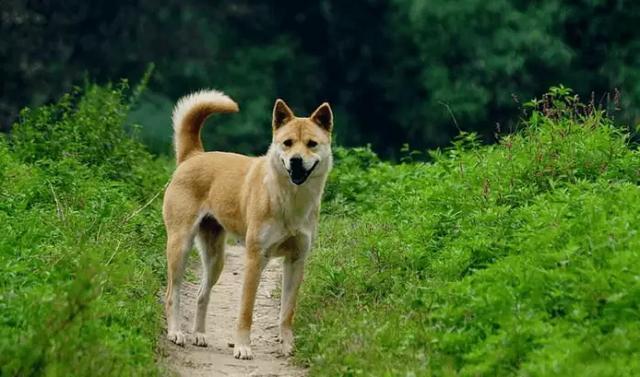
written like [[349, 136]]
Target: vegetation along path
[[217, 359]]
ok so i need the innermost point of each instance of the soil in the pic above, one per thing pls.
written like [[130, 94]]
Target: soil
[[217, 359]]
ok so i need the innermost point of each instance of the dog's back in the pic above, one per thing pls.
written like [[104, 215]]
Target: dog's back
[[211, 182]]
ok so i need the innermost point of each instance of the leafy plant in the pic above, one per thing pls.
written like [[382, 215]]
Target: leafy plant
[[81, 246], [520, 258]]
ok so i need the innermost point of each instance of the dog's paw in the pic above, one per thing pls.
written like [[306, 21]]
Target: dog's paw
[[286, 338], [199, 339], [176, 337], [286, 348], [243, 352]]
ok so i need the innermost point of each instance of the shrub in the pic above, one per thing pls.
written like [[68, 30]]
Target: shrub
[[519, 258], [81, 246]]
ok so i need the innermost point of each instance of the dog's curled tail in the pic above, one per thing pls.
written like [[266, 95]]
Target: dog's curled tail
[[189, 115]]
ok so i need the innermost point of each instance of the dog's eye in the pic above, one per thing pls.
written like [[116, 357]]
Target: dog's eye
[[311, 144], [288, 143]]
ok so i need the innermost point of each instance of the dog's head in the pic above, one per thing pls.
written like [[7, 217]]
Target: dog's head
[[302, 146]]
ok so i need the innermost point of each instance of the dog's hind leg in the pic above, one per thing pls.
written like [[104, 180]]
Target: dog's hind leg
[[210, 241], [179, 243]]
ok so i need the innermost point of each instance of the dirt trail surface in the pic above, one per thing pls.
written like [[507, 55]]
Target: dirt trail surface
[[217, 359]]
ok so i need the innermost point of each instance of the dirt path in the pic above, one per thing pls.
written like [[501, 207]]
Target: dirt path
[[217, 359]]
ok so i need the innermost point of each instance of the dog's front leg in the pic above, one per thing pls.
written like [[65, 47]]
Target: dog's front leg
[[293, 270], [254, 264], [292, 273]]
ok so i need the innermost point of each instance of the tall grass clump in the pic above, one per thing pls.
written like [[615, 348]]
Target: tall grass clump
[[81, 244], [520, 258]]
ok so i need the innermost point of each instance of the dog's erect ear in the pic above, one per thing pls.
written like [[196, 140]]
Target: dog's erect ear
[[323, 117], [281, 114]]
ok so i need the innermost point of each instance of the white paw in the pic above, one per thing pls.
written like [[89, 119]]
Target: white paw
[[286, 338], [177, 337], [200, 339], [242, 351], [287, 348]]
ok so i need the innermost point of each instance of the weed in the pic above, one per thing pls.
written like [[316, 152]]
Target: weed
[[81, 248], [520, 258]]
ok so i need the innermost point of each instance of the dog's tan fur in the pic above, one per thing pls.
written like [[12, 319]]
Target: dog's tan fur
[[215, 193]]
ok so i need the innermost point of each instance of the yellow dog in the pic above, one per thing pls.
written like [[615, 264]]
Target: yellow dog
[[271, 202]]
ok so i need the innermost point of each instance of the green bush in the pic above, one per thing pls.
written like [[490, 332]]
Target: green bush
[[521, 258], [81, 259]]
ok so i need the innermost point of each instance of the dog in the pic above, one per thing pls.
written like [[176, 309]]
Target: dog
[[271, 202]]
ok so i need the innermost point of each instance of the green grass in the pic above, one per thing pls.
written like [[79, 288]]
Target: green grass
[[81, 251], [521, 258]]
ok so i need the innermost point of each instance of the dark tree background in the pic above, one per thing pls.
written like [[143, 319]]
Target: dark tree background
[[395, 71]]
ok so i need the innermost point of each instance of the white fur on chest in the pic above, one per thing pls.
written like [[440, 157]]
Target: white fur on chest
[[293, 216]]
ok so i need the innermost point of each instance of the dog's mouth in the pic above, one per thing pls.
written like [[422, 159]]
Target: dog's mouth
[[298, 173]]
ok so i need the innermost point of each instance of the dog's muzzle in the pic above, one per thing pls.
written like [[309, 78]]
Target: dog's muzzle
[[297, 172]]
